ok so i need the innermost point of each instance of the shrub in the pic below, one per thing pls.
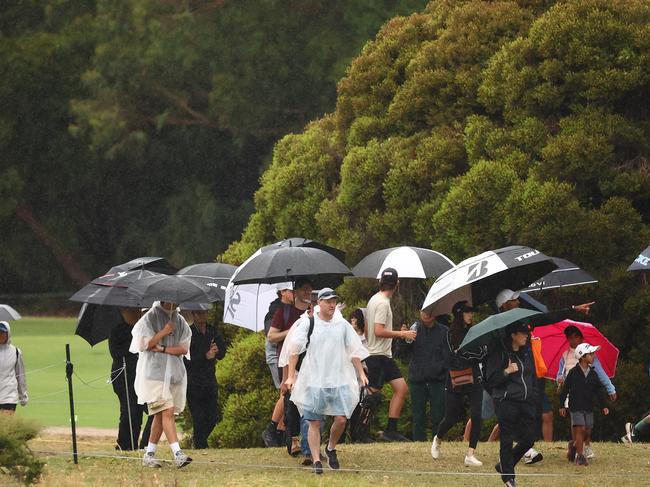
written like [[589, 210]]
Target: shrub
[[15, 455]]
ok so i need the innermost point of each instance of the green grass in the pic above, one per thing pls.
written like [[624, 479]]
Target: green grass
[[42, 341], [378, 464]]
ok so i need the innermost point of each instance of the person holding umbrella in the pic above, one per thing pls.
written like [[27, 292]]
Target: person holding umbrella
[[462, 384], [125, 362], [206, 349], [161, 338], [510, 377]]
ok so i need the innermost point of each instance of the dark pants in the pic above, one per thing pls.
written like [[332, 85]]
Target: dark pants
[[124, 439], [516, 420], [202, 402], [455, 410], [421, 394]]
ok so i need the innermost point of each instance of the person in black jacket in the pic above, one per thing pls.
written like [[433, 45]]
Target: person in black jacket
[[122, 379], [510, 378], [428, 370], [463, 386], [583, 387], [206, 348]]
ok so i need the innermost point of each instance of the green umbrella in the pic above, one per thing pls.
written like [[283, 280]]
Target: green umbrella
[[490, 328]]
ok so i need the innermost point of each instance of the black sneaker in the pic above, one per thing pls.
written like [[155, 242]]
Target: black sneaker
[[393, 436], [497, 467], [581, 460], [332, 460], [307, 461], [270, 437], [571, 452], [318, 468]]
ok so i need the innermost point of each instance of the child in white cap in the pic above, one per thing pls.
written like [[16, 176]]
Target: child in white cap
[[585, 390]]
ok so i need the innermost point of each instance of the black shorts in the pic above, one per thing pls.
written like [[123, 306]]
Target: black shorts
[[7, 407], [381, 369]]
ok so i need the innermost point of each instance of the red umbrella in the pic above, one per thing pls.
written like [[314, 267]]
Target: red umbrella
[[554, 344]]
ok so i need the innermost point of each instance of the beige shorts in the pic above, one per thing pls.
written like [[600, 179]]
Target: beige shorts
[[159, 406]]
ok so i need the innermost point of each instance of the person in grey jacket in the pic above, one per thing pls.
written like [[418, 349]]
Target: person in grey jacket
[[13, 387]]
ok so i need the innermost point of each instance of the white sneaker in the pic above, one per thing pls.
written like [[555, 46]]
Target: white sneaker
[[532, 456], [628, 437], [435, 447], [472, 461], [181, 459], [589, 453], [149, 460]]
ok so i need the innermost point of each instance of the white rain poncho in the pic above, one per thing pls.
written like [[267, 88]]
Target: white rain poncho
[[327, 383], [160, 377], [13, 386]]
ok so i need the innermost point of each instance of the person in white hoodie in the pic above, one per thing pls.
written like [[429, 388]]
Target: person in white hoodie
[[13, 386]]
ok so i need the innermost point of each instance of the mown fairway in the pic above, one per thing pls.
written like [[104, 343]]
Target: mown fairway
[[42, 341], [383, 464]]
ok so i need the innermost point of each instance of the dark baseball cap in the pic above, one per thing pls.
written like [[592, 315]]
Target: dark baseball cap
[[389, 275], [462, 307]]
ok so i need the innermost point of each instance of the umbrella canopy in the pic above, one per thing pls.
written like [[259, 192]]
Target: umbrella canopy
[[172, 289], [305, 242], [480, 278], [115, 293], [492, 328], [554, 344], [156, 264], [567, 274], [410, 262], [289, 264], [642, 262], [95, 322], [211, 274], [7, 313]]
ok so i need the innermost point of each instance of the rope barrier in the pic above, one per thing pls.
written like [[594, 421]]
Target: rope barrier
[[582, 475], [27, 372], [108, 380]]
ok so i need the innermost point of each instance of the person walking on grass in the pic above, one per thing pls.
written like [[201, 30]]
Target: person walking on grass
[[428, 371], [381, 366], [162, 337], [206, 349], [510, 377], [13, 386], [634, 431], [462, 385], [584, 389], [327, 384]]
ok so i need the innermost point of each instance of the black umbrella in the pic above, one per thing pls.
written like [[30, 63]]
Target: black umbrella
[[410, 262], [288, 264], [305, 242], [98, 316], [642, 262], [172, 289], [567, 274], [211, 274], [480, 278]]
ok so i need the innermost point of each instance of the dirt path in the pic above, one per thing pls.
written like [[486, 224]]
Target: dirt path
[[87, 432]]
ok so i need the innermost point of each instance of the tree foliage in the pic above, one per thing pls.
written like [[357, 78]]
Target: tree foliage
[[141, 127]]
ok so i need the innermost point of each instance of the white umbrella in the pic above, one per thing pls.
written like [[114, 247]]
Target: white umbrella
[[480, 278], [409, 262]]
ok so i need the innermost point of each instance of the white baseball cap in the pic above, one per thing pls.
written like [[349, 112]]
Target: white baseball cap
[[505, 295], [585, 348], [281, 286]]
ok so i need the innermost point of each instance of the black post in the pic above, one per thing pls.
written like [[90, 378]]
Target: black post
[[68, 375]]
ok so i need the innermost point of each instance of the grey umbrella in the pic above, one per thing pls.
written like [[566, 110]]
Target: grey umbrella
[[7, 313], [172, 289], [289, 264]]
